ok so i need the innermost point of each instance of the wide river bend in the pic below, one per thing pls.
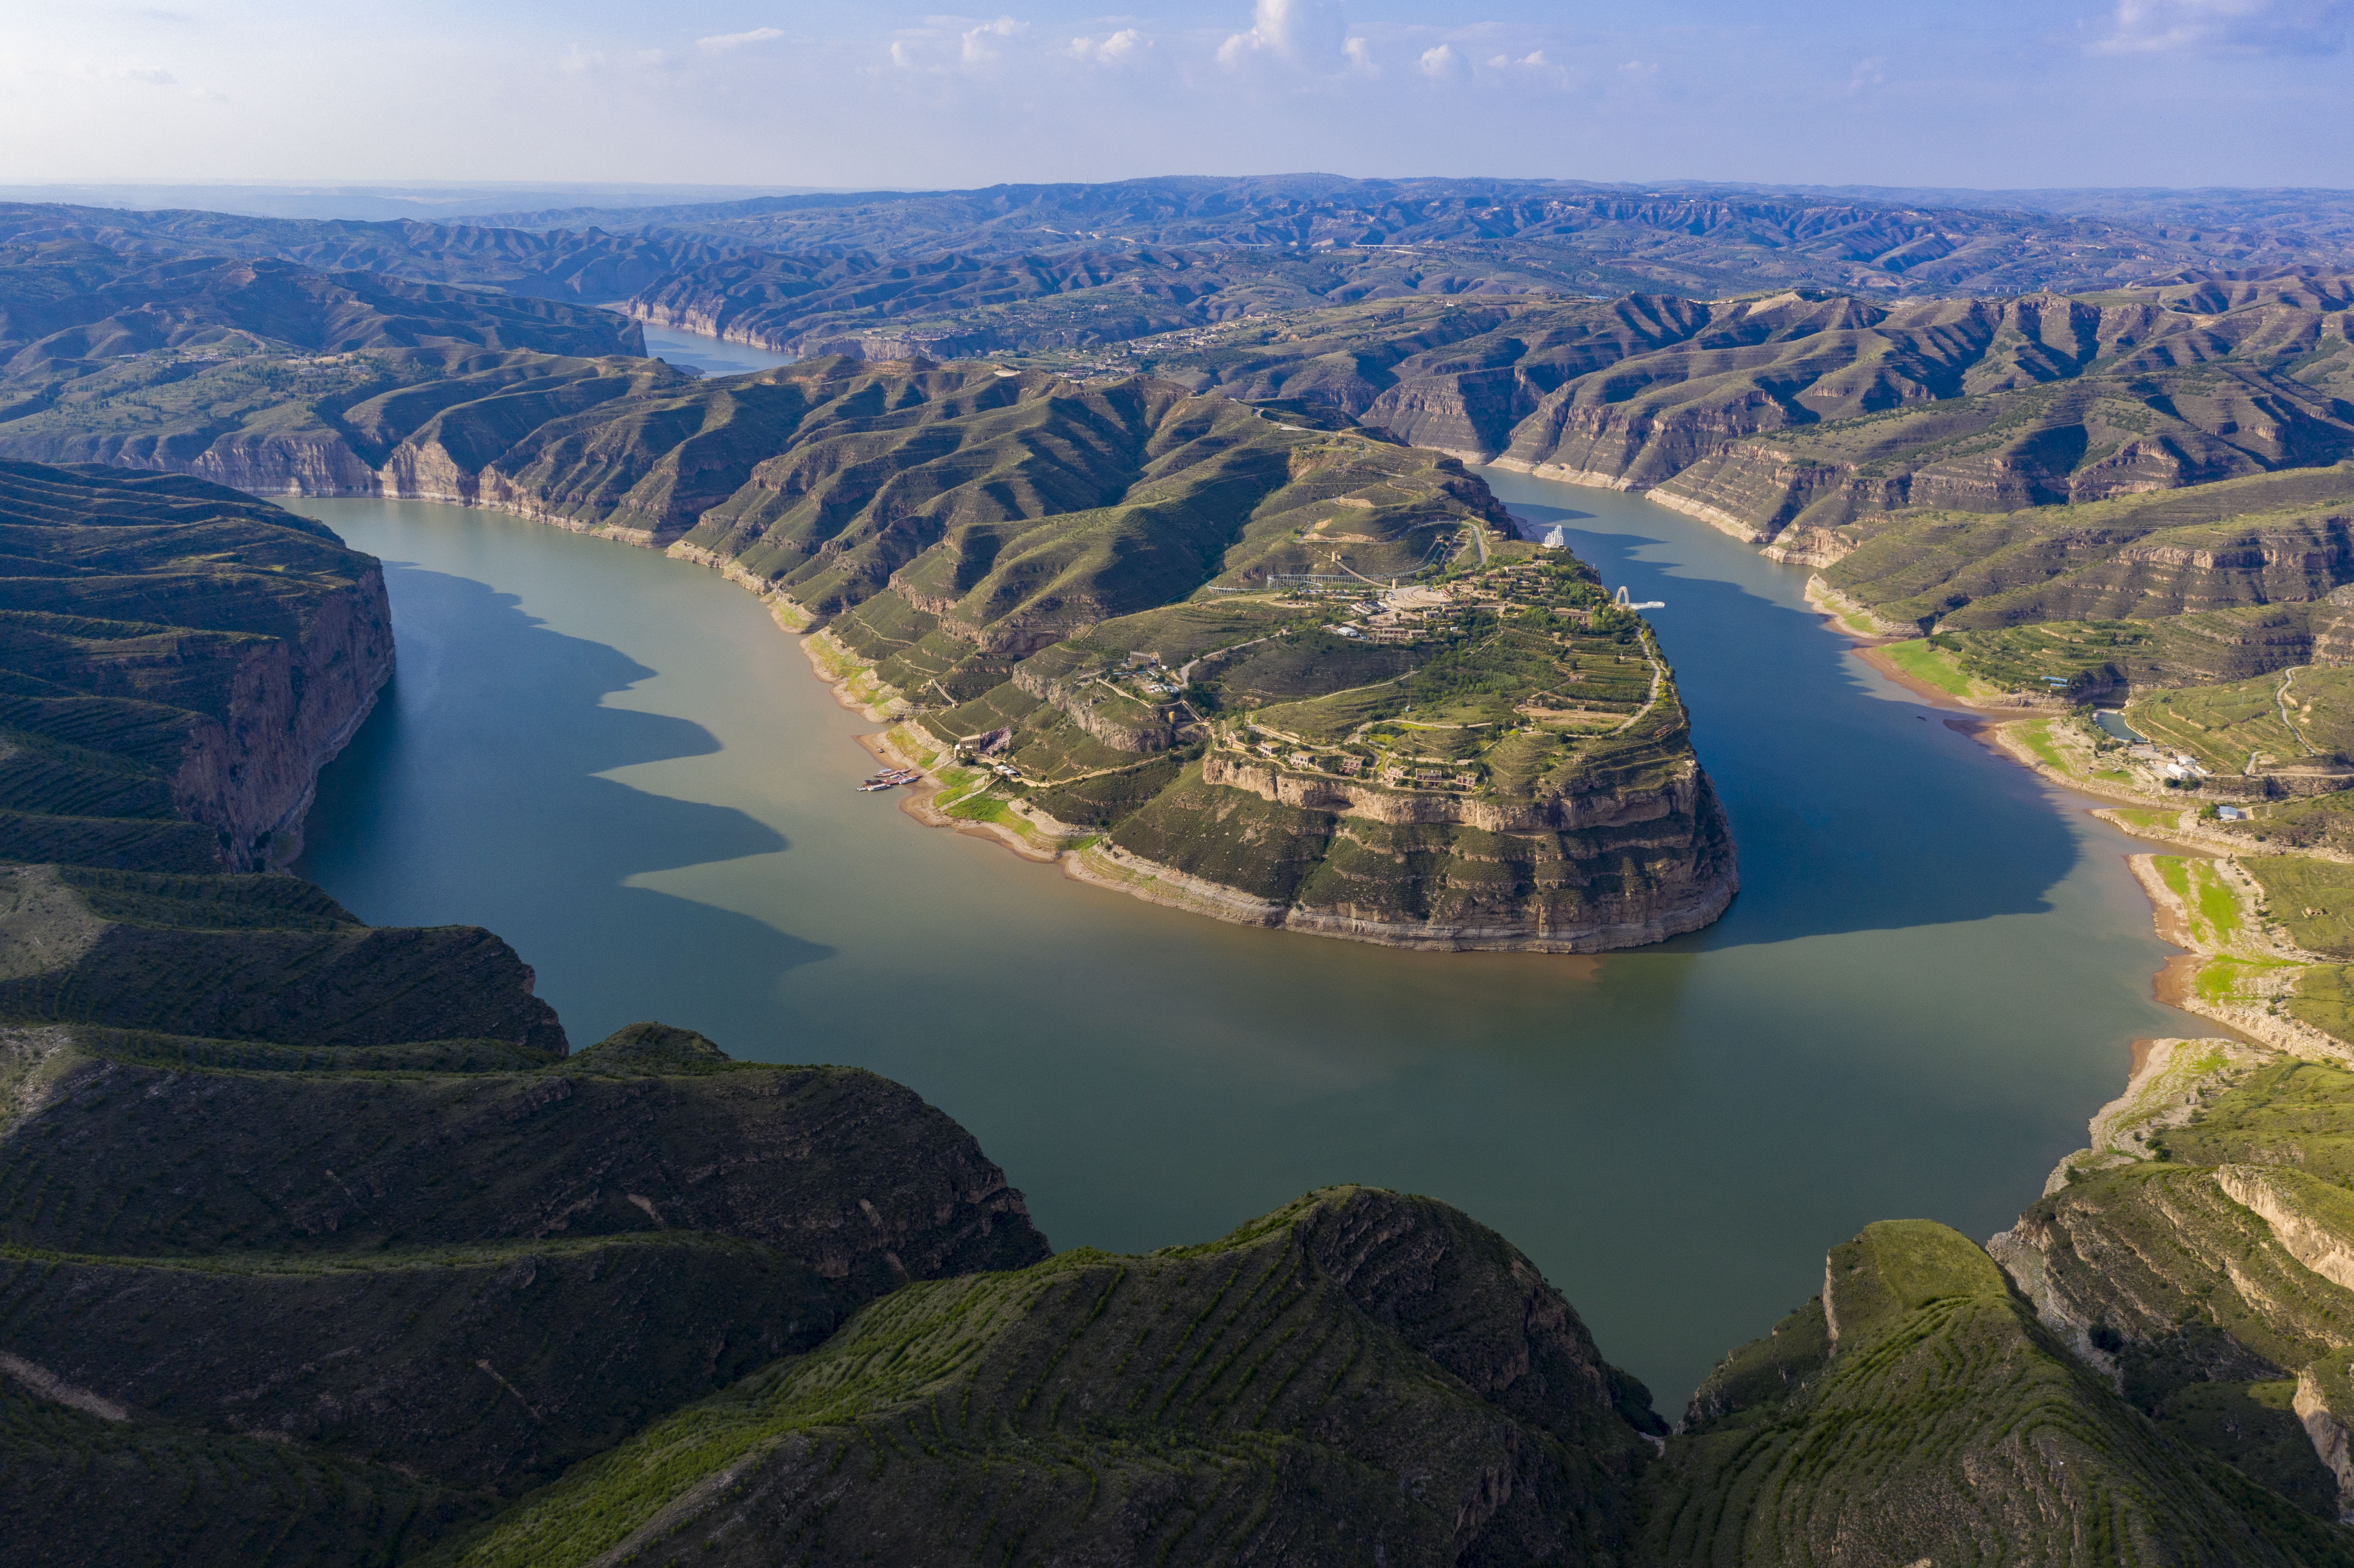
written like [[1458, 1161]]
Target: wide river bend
[[1929, 981]]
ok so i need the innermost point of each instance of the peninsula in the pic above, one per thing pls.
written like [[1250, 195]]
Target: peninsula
[[318, 1241], [1277, 670]]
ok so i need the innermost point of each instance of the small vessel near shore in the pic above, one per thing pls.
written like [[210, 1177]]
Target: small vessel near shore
[[890, 778]]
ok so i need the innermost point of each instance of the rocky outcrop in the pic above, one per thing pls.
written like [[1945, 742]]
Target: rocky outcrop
[[2333, 1440], [1117, 720], [1677, 796], [1607, 869], [2309, 1219], [250, 634], [1572, 431], [293, 706]]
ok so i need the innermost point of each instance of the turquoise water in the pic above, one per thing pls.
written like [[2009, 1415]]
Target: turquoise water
[[1929, 981]]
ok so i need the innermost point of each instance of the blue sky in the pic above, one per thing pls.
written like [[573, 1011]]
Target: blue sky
[[2000, 93]]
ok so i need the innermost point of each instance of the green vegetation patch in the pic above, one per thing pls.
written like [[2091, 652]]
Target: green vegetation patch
[[1283, 1382], [2324, 999], [2312, 900], [2037, 737], [2223, 727], [2293, 1112], [1933, 662], [2010, 1450]]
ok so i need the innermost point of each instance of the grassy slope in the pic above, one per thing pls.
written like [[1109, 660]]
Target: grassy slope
[[267, 1172], [2182, 1268], [1358, 1372], [1944, 1419], [2256, 540]]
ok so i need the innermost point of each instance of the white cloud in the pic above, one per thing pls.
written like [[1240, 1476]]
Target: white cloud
[[980, 44], [152, 77], [2257, 26], [1120, 48], [1361, 56], [720, 43], [1441, 61], [1642, 73], [1297, 32], [1869, 71]]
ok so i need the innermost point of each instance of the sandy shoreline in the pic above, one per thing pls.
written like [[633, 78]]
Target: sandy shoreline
[[2174, 984]]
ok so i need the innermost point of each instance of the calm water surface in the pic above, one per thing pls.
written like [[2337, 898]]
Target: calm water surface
[[708, 355], [1929, 981]]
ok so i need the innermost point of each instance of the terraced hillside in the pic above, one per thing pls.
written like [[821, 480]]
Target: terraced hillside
[[1204, 1403], [433, 1261], [1356, 1373], [314, 1241], [956, 521], [1499, 762], [1916, 1410], [1749, 411], [2269, 539], [179, 660]]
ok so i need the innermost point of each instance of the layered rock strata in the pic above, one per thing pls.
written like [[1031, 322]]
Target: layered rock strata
[[221, 647]]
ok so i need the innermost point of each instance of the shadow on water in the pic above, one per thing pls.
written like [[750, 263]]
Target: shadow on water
[[439, 811], [1673, 1134], [1848, 816]]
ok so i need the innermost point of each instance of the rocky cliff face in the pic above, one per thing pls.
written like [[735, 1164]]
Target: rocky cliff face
[[249, 636], [252, 774], [1603, 868], [1115, 719]]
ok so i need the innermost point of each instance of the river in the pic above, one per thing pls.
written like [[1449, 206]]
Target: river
[[1929, 981]]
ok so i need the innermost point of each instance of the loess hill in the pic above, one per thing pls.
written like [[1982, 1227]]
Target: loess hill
[[318, 1244], [1062, 268], [178, 661], [954, 524], [315, 1241], [1795, 413]]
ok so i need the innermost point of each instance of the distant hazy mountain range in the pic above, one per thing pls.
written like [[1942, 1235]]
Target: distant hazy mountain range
[[1078, 266]]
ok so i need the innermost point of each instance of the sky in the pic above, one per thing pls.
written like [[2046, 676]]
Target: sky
[[1994, 93]]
